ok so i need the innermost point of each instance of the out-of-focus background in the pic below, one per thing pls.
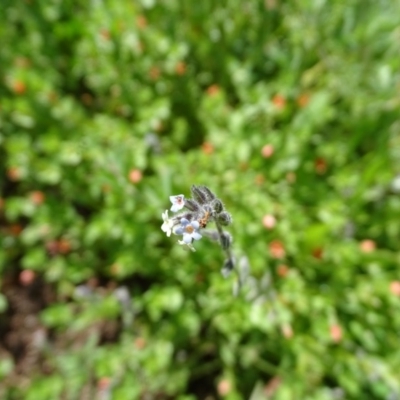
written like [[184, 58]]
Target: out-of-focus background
[[288, 110]]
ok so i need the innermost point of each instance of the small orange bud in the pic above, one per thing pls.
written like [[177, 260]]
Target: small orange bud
[[15, 229], [277, 249], [180, 68], [141, 22], [52, 247], [224, 387], [213, 90], [14, 173], [336, 333], [267, 151], [104, 383], [105, 34], [395, 288], [26, 277], [269, 221], [64, 246], [135, 175], [320, 165], [303, 100], [18, 87], [282, 270], [318, 253], [207, 148], [287, 331], [37, 197], [140, 343], [272, 386], [367, 246], [279, 101]]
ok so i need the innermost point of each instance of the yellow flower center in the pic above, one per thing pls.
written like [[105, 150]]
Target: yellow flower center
[[189, 229]]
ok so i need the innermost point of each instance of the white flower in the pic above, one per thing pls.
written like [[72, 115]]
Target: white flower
[[189, 230], [168, 223], [178, 202]]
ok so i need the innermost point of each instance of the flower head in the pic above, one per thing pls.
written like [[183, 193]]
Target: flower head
[[189, 230], [201, 209], [168, 223], [178, 202]]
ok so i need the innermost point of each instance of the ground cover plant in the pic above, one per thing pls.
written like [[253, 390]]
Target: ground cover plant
[[288, 112]]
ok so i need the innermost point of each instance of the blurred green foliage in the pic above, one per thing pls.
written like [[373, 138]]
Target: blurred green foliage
[[288, 110]]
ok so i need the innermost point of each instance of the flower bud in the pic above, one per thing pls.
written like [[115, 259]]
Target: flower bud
[[224, 218], [209, 194], [217, 205], [198, 194], [225, 240], [227, 267], [192, 205]]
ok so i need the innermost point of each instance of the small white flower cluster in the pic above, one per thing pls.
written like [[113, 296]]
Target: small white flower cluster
[[201, 209], [182, 226]]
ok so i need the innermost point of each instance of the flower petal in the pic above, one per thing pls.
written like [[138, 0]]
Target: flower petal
[[166, 227], [187, 238], [196, 236], [179, 230], [195, 224], [184, 222], [178, 202], [175, 208], [176, 198]]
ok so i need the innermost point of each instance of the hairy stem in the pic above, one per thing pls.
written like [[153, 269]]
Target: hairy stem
[[228, 254]]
